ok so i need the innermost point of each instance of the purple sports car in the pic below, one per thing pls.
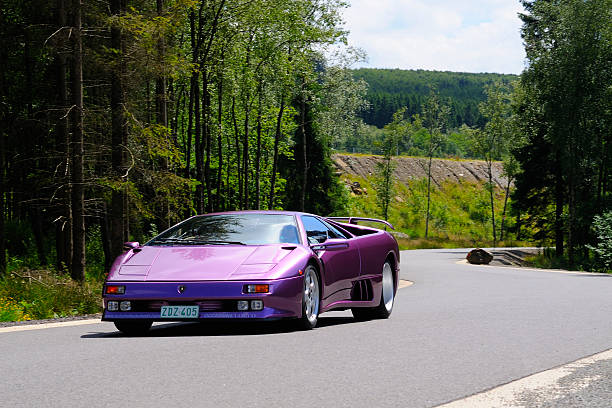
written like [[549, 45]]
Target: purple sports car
[[254, 265]]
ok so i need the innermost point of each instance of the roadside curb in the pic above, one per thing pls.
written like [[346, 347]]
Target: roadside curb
[[521, 268]]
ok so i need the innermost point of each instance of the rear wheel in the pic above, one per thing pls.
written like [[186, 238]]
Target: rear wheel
[[387, 297], [311, 299], [133, 327]]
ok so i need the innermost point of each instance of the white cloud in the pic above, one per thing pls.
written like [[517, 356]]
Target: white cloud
[[445, 35]]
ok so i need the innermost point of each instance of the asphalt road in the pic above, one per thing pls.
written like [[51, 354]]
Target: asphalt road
[[459, 330]]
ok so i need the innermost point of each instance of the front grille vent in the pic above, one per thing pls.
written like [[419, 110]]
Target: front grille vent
[[205, 305]]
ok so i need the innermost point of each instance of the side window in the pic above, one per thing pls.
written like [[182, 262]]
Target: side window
[[316, 231], [336, 232]]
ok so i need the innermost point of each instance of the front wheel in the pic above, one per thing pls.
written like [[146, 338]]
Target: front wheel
[[311, 299], [133, 327], [387, 297]]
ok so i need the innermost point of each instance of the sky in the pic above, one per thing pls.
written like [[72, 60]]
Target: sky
[[442, 35]]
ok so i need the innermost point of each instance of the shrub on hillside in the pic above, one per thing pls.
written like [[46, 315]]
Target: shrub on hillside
[[602, 225]]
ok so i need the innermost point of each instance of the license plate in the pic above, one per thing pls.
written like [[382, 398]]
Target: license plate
[[180, 312]]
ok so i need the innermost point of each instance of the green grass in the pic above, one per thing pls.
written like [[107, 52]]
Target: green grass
[[460, 214], [42, 294]]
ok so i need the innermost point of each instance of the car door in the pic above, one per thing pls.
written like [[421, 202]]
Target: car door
[[339, 255]]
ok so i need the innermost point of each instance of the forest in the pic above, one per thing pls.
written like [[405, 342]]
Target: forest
[[120, 118], [392, 89]]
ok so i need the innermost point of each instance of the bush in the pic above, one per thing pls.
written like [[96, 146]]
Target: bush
[[11, 311], [602, 225], [39, 294]]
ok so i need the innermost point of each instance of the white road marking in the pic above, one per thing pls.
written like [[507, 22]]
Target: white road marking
[[404, 283], [545, 383], [48, 325]]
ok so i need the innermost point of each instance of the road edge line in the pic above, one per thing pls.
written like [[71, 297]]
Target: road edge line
[[26, 327], [521, 268], [541, 379]]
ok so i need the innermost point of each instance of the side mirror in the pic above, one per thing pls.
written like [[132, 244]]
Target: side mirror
[[330, 245], [127, 246], [317, 239]]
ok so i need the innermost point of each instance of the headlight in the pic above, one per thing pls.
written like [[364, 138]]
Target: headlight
[[125, 306], [112, 305]]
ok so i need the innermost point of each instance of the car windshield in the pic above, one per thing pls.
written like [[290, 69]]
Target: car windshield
[[232, 229]]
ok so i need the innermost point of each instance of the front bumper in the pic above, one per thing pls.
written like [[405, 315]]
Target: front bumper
[[284, 299]]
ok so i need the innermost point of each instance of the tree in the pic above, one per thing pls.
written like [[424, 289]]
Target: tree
[[434, 118], [566, 112], [491, 143], [383, 180]]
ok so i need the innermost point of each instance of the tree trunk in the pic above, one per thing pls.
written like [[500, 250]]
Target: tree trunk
[[78, 196], [39, 239], [238, 156], [245, 155], [219, 201], [199, 200], [258, 154], [491, 192], [2, 191], [119, 141], [207, 139], [63, 242], [304, 146], [106, 240], [503, 221], [190, 127], [428, 195], [277, 136], [559, 203]]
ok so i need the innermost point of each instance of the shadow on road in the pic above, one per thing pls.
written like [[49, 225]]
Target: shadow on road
[[224, 328]]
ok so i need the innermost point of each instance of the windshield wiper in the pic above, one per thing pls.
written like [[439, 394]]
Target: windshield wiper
[[195, 242], [209, 242]]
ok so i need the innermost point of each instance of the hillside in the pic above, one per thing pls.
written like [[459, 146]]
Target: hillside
[[391, 89], [415, 168], [460, 211]]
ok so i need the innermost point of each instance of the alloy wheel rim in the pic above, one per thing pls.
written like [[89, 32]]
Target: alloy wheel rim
[[311, 296], [387, 286]]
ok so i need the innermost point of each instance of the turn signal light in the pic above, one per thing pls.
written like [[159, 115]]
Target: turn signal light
[[115, 290], [258, 288]]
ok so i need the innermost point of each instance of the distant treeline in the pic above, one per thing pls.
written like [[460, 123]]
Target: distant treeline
[[392, 89]]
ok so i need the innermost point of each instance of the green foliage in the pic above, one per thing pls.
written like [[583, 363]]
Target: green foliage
[[391, 89], [39, 294], [460, 213], [563, 105], [602, 226]]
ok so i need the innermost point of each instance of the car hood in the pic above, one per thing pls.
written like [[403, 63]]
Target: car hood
[[191, 263]]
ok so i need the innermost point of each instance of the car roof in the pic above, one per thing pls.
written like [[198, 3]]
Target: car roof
[[279, 212]]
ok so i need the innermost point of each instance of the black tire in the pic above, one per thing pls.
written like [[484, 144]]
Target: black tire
[[385, 307], [133, 327], [311, 293]]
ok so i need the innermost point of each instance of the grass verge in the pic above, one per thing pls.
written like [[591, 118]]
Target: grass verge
[[41, 294]]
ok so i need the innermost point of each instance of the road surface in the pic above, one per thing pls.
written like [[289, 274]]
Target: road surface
[[458, 331]]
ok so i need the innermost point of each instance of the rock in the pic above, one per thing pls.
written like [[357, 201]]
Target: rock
[[479, 257]]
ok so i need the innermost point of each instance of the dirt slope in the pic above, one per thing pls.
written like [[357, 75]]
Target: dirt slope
[[415, 168]]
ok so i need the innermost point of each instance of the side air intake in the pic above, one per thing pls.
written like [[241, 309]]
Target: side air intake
[[362, 291]]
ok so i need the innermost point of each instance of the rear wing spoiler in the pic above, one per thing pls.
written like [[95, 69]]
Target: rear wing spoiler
[[353, 220]]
